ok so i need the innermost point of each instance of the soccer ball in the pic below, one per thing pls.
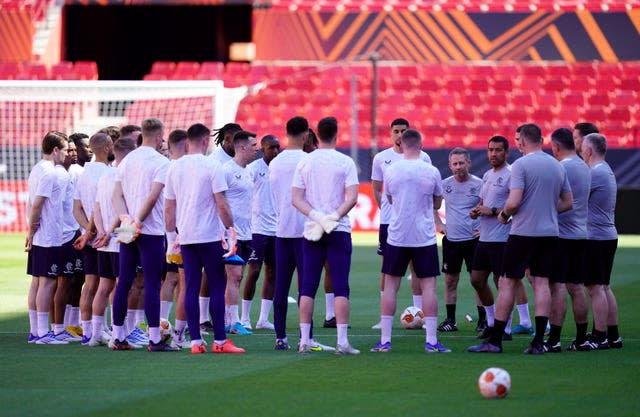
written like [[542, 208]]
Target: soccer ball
[[412, 318], [166, 330], [494, 383]]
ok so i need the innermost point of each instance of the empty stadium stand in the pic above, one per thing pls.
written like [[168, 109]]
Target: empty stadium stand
[[63, 70]]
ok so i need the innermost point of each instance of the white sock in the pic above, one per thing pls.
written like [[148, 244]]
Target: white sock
[[265, 309], [74, 317], [86, 329], [491, 314], [110, 308], [417, 301], [386, 324], [329, 301], [204, 308], [305, 330], [507, 328], [226, 315], [119, 333], [179, 329], [138, 317], [246, 310], [58, 328], [523, 313], [233, 314], [165, 308], [33, 322], [343, 340], [195, 342], [154, 334], [97, 324], [43, 323], [431, 324], [67, 313]]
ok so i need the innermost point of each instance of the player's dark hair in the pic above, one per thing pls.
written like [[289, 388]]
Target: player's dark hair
[[411, 138], [267, 138], [563, 138], [400, 122], [53, 140], [532, 133], [313, 137], [124, 145], [297, 125], [242, 137], [327, 129], [151, 126], [177, 136], [139, 140], [586, 128], [129, 129], [77, 137], [197, 131], [219, 134], [597, 142], [519, 128], [500, 139]]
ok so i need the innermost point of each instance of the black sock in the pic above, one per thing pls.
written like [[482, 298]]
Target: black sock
[[541, 327], [581, 332], [451, 312], [599, 336], [496, 334], [554, 335], [482, 313], [612, 333]]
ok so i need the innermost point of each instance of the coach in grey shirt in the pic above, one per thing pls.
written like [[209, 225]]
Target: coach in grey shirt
[[602, 243], [539, 190], [569, 256]]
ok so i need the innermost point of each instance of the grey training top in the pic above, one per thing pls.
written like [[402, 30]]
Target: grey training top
[[573, 223], [495, 190], [460, 198], [543, 180], [602, 203]]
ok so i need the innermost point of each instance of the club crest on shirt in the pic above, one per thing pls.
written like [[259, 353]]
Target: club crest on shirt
[[448, 189], [473, 190], [499, 181]]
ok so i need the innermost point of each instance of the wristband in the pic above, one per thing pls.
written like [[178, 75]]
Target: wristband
[[494, 211]]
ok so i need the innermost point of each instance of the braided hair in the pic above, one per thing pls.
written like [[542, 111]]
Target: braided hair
[[218, 136]]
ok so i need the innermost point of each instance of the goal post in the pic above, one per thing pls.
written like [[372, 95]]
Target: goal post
[[29, 109]]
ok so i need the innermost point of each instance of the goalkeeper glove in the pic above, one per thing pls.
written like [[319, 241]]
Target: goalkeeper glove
[[173, 248], [128, 231], [312, 231], [229, 242], [329, 222]]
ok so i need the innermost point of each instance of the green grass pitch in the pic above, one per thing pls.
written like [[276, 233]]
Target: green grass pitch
[[79, 381]]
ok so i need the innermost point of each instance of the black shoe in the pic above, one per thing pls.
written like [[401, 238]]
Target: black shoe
[[616, 344], [330, 324], [599, 345], [535, 349], [486, 333], [482, 324], [206, 327], [556, 348], [485, 347], [118, 345], [580, 347], [507, 336], [448, 325], [161, 347]]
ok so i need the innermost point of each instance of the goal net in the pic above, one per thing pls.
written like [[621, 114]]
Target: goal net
[[29, 109]]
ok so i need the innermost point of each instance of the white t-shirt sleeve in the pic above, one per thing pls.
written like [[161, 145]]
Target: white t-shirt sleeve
[[376, 170], [160, 174], [298, 181], [352, 174], [219, 179], [437, 191], [46, 185], [169, 192]]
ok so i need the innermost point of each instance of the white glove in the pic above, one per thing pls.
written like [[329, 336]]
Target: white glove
[[312, 231], [329, 222], [128, 231]]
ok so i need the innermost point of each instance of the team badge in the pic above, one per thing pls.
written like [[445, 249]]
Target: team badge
[[387, 161], [448, 189]]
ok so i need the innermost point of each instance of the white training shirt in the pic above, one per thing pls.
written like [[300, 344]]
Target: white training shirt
[[192, 181], [43, 181], [69, 224], [412, 184], [104, 194], [220, 155], [324, 176], [381, 162], [239, 194], [281, 169], [263, 208], [87, 185], [137, 173]]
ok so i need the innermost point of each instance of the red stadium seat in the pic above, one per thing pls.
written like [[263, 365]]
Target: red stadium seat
[[165, 68], [210, 70], [86, 70], [572, 99], [63, 70]]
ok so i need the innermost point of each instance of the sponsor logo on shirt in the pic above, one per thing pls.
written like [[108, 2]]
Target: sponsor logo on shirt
[[448, 189], [387, 161]]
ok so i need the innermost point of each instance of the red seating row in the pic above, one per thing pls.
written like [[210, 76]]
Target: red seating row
[[35, 8], [64, 70]]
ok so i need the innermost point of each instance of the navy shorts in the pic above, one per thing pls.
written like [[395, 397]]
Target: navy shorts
[[264, 250], [569, 261], [599, 261], [424, 258], [383, 232], [488, 257], [69, 258], [244, 249], [455, 252], [334, 249], [43, 262], [173, 267], [90, 260], [108, 264], [535, 253]]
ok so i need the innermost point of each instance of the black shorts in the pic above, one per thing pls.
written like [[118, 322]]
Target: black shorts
[[43, 262], [599, 261], [173, 267], [69, 257], [108, 264], [535, 253], [90, 260], [264, 250], [424, 258], [454, 252], [569, 261], [488, 257], [383, 232], [244, 249]]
